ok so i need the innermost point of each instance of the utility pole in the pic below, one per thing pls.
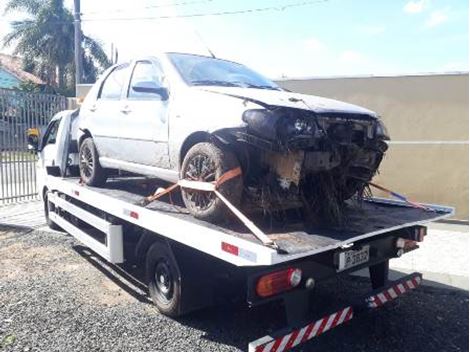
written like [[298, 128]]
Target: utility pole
[[78, 42]]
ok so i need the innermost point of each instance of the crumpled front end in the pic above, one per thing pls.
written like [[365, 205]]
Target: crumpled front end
[[315, 160]]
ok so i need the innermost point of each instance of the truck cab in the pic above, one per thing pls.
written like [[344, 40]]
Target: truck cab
[[53, 158]]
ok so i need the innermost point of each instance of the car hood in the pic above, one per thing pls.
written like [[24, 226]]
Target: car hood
[[265, 97]]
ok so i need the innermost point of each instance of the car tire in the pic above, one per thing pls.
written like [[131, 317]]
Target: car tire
[[207, 162], [164, 279], [91, 171], [48, 207]]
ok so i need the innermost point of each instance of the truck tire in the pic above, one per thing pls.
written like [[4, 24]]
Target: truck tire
[[91, 171], [164, 279], [207, 162], [47, 207]]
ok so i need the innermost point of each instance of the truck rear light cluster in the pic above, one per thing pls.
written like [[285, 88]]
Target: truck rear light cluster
[[279, 281], [405, 244]]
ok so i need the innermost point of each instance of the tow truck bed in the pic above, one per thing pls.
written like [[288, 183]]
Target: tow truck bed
[[366, 219]]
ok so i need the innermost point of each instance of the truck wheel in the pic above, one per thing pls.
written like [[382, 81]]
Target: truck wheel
[[48, 207], [91, 171], [207, 162], [164, 279]]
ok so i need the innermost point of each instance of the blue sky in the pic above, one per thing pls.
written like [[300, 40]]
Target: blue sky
[[335, 37]]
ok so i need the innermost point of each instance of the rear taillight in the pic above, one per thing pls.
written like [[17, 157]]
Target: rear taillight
[[279, 281], [405, 244]]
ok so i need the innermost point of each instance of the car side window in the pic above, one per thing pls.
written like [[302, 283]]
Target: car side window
[[112, 86], [51, 133], [145, 71]]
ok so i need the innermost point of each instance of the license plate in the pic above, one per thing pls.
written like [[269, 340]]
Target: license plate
[[353, 258]]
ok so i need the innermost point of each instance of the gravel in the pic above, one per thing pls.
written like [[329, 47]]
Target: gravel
[[56, 295]]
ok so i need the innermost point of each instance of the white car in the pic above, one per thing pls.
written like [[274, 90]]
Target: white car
[[176, 116]]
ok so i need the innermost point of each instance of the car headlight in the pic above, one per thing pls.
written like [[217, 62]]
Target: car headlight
[[262, 122], [303, 126], [381, 131]]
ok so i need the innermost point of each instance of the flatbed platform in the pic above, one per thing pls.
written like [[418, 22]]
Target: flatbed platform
[[370, 217]]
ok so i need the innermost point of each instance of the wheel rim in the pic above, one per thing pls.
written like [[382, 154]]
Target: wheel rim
[[86, 161], [164, 282], [200, 168]]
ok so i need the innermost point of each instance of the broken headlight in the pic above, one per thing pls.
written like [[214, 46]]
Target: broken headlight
[[262, 122], [381, 131]]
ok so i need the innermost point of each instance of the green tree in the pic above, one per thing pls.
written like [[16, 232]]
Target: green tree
[[45, 40]]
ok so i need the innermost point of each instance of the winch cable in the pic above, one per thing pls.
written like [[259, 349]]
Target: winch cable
[[212, 187], [399, 196]]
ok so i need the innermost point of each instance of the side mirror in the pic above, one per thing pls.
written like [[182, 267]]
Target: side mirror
[[32, 135], [151, 87]]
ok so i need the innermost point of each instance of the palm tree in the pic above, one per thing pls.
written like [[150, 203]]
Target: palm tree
[[45, 40]]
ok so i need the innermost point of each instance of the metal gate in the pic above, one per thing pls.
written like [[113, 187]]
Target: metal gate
[[18, 112]]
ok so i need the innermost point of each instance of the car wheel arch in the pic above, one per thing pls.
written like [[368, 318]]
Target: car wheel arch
[[86, 134], [190, 141]]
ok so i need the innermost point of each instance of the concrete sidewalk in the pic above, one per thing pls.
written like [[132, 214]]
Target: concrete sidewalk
[[443, 257]]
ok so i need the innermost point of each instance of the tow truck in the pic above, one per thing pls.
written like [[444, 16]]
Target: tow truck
[[191, 264]]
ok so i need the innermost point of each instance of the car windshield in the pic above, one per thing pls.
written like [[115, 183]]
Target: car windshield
[[206, 71]]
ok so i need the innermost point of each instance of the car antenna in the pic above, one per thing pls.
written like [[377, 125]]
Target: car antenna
[[205, 44]]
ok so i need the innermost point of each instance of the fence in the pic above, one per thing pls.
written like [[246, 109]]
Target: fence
[[18, 112]]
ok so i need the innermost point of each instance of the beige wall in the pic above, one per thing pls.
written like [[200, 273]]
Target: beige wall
[[427, 117]]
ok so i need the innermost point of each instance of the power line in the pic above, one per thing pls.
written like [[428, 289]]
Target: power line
[[184, 3], [221, 13]]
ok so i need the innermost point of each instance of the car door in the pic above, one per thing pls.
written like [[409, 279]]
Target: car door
[[106, 122], [146, 116], [48, 149]]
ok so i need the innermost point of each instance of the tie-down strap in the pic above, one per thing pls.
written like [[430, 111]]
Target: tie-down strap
[[212, 187]]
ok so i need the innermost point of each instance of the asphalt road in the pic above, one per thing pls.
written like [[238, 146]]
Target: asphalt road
[[57, 296]]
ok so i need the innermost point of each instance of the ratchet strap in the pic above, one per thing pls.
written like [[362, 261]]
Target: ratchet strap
[[212, 187], [399, 196]]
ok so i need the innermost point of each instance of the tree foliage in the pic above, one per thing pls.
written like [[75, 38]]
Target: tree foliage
[[45, 40]]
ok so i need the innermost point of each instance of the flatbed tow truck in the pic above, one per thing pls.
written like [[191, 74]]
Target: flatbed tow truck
[[191, 264]]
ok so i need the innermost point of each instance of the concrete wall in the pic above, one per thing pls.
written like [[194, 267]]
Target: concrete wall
[[427, 117]]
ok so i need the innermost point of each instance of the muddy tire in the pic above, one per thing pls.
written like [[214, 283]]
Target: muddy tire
[[91, 171], [207, 162]]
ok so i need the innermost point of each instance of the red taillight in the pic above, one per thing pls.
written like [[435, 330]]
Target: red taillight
[[279, 281], [405, 244]]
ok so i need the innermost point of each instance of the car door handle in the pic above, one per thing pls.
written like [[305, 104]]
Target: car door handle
[[126, 110], [92, 108]]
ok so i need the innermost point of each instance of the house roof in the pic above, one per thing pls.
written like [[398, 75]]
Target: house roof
[[13, 64]]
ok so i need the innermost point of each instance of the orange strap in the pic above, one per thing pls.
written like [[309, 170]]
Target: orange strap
[[193, 184], [212, 187]]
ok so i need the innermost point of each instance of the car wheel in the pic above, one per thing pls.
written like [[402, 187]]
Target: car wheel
[[91, 171], [207, 162], [47, 208], [163, 279]]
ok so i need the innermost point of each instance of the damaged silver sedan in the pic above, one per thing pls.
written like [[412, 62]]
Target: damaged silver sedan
[[182, 116]]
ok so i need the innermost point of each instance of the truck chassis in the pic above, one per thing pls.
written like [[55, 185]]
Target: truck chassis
[[191, 264]]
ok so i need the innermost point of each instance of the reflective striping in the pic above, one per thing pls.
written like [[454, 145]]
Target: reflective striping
[[343, 316], [382, 298], [314, 329], [301, 334], [329, 323], [131, 213], [393, 292], [294, 338], [239, 252]]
